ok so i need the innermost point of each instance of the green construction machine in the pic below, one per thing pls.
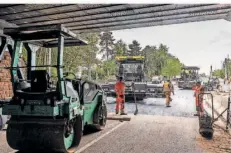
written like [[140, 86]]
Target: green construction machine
[[49, 115]]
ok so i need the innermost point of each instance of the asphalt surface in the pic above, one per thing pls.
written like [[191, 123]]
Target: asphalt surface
[[156, 129], [182, 105], [150, 134]]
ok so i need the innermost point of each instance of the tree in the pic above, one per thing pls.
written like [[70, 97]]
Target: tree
[[149, 66], [109, 67], [89, 52], [120, 48], [107, 45], [171, 68], [134, 49], [76, 56], [163, 48], [219, 73], [157, 61]]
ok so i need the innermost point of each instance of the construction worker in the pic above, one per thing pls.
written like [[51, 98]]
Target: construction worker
[[171, 87], [120, 96], [198, 89], [167, 92]]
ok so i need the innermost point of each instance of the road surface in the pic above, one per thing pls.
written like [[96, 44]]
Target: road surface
[[156, 129], [182, 105]]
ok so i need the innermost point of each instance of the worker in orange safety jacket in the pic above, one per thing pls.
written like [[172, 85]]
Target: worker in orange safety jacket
[[120, 96], [198, 98], [167, 91]]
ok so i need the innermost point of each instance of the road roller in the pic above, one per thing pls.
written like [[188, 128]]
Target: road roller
[[49, 113]]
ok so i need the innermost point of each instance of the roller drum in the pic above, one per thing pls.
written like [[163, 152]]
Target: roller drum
[[43, 135]]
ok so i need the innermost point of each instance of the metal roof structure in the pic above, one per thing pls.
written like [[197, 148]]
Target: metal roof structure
[[45, 36], [108, 17]]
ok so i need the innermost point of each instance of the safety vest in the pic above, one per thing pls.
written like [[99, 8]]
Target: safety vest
[[166, 86], [197, 90], [120, 88]]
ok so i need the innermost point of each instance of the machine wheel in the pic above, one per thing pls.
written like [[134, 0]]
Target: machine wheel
[[44, 135], [100, 117], [72, 135]]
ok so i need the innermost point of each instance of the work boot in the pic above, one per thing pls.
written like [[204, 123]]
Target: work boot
[[196, 114], [123, 113]]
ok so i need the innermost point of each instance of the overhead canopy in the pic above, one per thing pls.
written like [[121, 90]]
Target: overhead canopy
[[45, 36], [108, 17]]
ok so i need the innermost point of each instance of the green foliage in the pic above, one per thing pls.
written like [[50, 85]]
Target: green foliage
[[107, 45], [74, 56], [171, 68], [158, 61], [134, 49], [88, 56], [24, 55], [219, 73], [120, 48]]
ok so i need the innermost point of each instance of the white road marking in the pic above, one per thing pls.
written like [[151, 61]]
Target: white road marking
[[99, 138]]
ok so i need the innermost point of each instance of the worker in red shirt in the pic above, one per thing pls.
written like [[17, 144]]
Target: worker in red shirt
[[120, 96], [198, 98]]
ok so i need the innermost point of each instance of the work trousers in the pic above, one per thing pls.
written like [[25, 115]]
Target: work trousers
[[168, 97], [199, 104], [120, 103]]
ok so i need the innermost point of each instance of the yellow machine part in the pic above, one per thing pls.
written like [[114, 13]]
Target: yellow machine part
[[129, 57]]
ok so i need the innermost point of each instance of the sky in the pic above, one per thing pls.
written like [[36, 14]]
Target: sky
[[195, 44]]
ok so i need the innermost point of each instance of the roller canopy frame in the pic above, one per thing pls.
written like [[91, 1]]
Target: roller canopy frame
[[44, 36]]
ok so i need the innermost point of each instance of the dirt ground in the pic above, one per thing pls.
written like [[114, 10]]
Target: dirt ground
[[219, 144]]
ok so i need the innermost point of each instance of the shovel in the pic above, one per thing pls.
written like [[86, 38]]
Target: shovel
[[136, 111]]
